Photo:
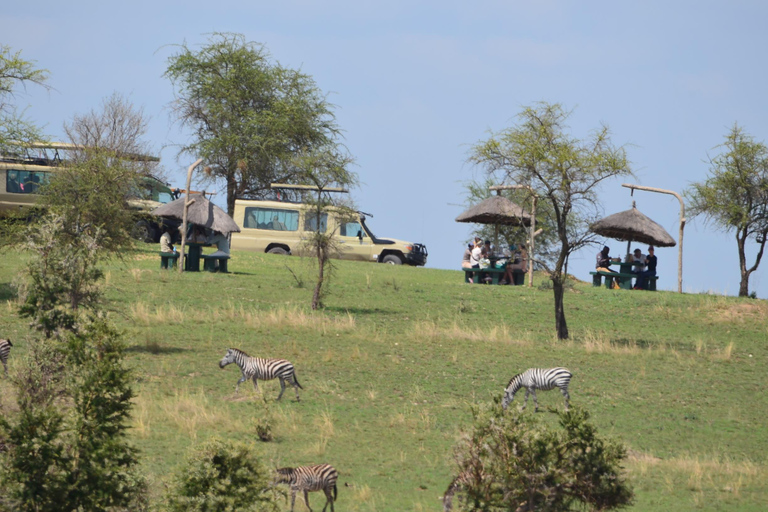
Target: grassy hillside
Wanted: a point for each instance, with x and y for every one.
(398, 354)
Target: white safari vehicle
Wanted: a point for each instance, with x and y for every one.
(281, 227)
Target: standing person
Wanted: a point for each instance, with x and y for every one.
(650, 271)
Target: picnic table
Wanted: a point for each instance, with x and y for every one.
(624, 276)
(192, 261)
(495, 274)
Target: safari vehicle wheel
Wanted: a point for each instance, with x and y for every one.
(143, 231)
(278, 250)
(392, 259)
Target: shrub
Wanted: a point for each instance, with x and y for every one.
(222, 476)
(515, 462)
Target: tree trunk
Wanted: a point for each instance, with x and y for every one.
(744, 284)
(560, 323)
(319, 285)
(231, 192)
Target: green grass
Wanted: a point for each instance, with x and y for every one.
(392, 363)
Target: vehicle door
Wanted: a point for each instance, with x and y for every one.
(354, 241)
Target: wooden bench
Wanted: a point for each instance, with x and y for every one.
(209, 263)
(518, 276)
(625, 280)
(168, 259)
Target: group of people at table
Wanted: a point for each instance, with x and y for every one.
(643, 265)
(197, 237)
(481, 255)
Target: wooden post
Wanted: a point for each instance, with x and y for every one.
(682, 225)
(187, 202)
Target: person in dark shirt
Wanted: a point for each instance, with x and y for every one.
(650, 270)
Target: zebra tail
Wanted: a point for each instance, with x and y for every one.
(296, 379)
(335, 490)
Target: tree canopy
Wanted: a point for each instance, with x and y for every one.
(565, 173)
(249, 116)
(16, 72)
(734, 197)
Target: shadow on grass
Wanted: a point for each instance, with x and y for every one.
(652, 344)
(7, 292)
(154, 348)
(360, 311)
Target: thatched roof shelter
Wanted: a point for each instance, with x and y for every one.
(496, 210)
(201, 212)
(633, 226)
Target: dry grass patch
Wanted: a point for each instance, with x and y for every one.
(699, 474)
(144, 314)
(726, 310)
(494, 334)
(193, 411)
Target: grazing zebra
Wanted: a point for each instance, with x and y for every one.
(257, 368)
(457, 483)
(309, 479)
(5, 349)
(538, 378)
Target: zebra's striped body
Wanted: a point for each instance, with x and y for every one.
(321, 477)
(538, 378)
(5, 349)
(256, 368)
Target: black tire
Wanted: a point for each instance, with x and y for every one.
(143, 231)
(392, 259)
(278, 250)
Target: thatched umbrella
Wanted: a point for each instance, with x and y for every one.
(496, 210)
(633, 226)
(201, 212)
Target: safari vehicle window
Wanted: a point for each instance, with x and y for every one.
(24, 182)
(273, 219)
(351, 229)
(310, 222)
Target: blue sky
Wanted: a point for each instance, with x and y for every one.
(417, 83)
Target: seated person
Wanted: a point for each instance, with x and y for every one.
(222, 244)
(197, 235)
(165, 241)
(277, 225)
(603, 262)
(518, 261)
(638, 261)
(13, 186)
(465, 262)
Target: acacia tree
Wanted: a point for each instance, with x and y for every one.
(15, 72)
(734, 197)
(323, 170)
(565, 173)
(248, 116)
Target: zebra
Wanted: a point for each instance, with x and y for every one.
(309, 479)
(538, 378)
(456, 484)
(5, 349)
(262, 369)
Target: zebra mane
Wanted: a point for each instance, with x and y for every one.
(238, 351)
(513, 379)
(286, 471)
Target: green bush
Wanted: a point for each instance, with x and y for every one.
(222, 476)
(516, 462)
